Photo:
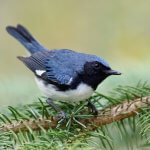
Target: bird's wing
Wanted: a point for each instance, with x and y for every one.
(51, 66)
(59, 72)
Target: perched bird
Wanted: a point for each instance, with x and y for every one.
(62, 74)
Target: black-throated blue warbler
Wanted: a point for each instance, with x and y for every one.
(62, 74)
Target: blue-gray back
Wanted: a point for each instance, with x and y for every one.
(62, 65)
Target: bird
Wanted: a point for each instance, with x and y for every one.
(62, 74)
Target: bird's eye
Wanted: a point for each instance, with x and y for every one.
(96, 65)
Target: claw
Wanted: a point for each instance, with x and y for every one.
(95, 112)
(93, 108)
(61, 116)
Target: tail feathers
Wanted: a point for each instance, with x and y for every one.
(25, 38)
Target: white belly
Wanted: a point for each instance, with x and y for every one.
(82, 92)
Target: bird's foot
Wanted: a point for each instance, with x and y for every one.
(93, 108)
(61, 116)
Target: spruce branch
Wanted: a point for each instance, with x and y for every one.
(116, 113)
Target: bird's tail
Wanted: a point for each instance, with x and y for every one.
(25, 38)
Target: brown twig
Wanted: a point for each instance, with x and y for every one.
(119, 112)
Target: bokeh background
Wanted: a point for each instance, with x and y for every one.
(118, 31)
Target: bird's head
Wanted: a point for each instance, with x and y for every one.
(97, 68)
(96, 71)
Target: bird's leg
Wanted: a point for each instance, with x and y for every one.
(93, 108)
(61, 114)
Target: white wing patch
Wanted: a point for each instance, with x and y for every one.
(71, 79)
(39, 72)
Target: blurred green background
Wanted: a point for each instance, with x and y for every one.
(118, 31)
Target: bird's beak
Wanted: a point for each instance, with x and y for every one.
(112, 72)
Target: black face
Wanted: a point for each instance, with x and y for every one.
(95, 72)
